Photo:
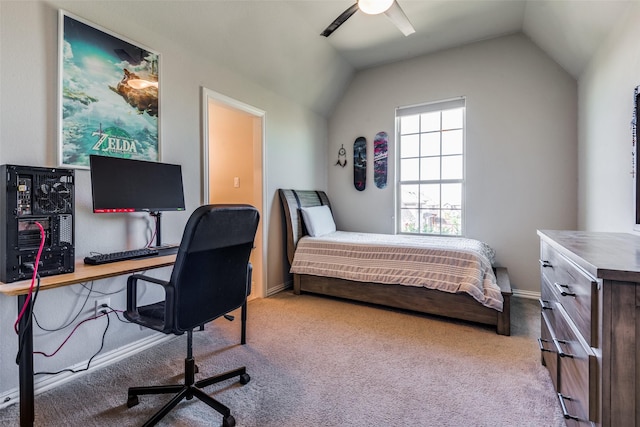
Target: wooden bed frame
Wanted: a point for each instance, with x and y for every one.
(457, 306)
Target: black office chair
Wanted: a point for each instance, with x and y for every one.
(211, 277)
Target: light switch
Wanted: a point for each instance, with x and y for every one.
(236, 182)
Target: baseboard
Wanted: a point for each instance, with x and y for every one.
(519, 293)
(52, 381)
(280, 288)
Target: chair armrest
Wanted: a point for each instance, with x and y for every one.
(136, 277)
(132, 296)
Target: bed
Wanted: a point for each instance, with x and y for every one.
(489, 309)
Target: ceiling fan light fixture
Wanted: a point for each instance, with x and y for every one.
(374, 7)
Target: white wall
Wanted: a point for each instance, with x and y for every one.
(606, 200)
(295, 157)
(521, 144)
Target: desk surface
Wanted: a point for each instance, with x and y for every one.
(86, 273)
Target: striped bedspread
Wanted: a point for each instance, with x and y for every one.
(448, 264)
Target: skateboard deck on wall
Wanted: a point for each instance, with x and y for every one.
(360, 163)
(380, 155)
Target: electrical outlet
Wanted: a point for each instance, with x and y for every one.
(100, 303)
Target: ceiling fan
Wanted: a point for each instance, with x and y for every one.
(390, 8)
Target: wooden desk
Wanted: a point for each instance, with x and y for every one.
(86, 273)
(83, 273)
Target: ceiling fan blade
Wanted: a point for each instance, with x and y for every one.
(399, 19)
(340, 20)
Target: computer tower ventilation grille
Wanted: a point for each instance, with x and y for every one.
(66, 229)
(52, 193)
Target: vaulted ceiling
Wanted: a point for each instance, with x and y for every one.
(277, 43)
(569, 30)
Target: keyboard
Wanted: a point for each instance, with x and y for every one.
(120, 256)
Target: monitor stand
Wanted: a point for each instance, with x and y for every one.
(163, 249)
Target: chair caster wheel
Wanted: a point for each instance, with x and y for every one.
(132, 401)
(244, 378)
(228, 421)
(196, 369)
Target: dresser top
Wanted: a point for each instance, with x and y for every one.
(612, 256)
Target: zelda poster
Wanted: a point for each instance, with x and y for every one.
(108, 95)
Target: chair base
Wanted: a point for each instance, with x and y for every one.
(189, 390)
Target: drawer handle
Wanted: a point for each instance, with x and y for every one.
(564, 289)
(565, 412)
(542, 347)
(560, 352)
(545, 263)
(544, 305)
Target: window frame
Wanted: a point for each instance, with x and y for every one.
(436, 106)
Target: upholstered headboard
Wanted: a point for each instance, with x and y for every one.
(292, 201)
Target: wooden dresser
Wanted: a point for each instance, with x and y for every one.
(590, 330)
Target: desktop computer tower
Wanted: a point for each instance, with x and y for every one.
(36, 195)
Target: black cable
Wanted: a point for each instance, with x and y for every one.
(72, 320)
(153, 232)
(100, 292)
(113, 310)
(35, 293)
(75, 371)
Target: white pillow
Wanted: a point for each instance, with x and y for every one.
(318, 220)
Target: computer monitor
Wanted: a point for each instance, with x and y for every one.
(126, 185)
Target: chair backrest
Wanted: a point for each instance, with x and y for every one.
(210, 273)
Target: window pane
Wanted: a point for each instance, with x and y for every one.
(452, 119)
(409, 221)
(452, 222)
(409, 146)
(409, 169)
(410, 124)
(430, 168)
(430, 221)
(430, 121)
(452, 167)
(452, 142)
(452, 196)
(430, 144)
(409, 195)
(430, 196)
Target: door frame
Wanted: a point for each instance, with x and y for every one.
(218, 98)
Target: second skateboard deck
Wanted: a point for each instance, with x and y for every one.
(360, 163)
(380, 155)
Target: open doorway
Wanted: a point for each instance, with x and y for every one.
(232, 169)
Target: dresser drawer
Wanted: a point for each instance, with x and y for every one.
(577, 374)
(548, 301)
(573, 288)
(548, 349)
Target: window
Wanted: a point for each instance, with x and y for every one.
(431, 168)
